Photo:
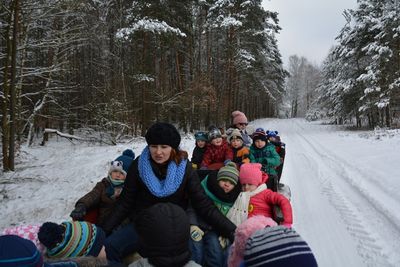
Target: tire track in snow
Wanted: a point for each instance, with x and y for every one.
(368, 246)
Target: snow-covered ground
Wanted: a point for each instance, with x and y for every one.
(345, 187)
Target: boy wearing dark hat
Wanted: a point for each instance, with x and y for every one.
(222, 188)
(217, 152)
(278, 247)
(199, 149)
(261, 151)
(98, 204)
(163, 231)
(240, 151)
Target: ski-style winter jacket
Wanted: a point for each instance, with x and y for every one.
(267, 156)
(98, 199)
(241, 155)
(216, 155)
(197, 156)
(136, 197)
(263, 202)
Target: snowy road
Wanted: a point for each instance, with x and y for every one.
(345, 187)
(345, 193)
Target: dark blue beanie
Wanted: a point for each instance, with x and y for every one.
(162, 133)
(126, 158)
(17, 251)
(278, 247)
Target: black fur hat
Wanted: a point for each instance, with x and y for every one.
(162, 133)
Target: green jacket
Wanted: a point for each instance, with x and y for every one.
(267, 156)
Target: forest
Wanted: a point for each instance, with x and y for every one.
(107, 69)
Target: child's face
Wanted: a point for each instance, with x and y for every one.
(226, 185)
(201, 143)
(217, 141)
(260, 143)
(236, 142)
(116, 175)
(248, 187)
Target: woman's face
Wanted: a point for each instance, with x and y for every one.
(160, 153)
(241, 126)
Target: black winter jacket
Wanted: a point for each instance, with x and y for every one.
(135, 197)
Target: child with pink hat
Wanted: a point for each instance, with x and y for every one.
(256, 199)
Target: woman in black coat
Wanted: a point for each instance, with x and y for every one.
(162, 173)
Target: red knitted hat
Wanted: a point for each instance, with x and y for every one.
(250, 173)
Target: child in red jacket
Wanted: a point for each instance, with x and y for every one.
(256, 199)
(217, 152)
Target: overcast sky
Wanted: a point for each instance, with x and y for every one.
(309, 27)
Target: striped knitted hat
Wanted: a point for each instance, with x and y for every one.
(71, 239)
(278, 247)
(17, 251)
(229, 172)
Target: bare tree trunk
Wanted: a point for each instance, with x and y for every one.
(13, 95)
(5, 101)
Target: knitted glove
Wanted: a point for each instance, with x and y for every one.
(194, 166)
(196, 233)
(224, 242)
(79, 212)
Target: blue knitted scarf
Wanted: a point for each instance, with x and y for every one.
(167, 186)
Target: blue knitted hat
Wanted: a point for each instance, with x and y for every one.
(278, 247)
(77, 239)
(271, 133)
(201, 136)
(126, 159)
(17, 251)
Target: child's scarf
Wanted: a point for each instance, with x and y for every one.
(240, 210)
(164, 187)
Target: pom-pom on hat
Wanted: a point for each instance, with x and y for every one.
(16, 251)
(229, 172)
(234, 134)
(243, 232)
(250, 173)
(238, 117)
(278, 247)
(123, 162)
(259, 133)
(71, 239)
(201, 136)
(162, 133)
(213, 133)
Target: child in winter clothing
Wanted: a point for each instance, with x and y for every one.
(242, 233)
(72, 239)
(256, 199)
(223, 189)
(278, 246)
(239, 121)
(163, 231)
(240, 152)
(200, 148)
(263, 152)
(217, 152)
(280, 148)
(104, 195)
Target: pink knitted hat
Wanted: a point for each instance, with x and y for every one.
(242, 233)
(250, 173)
(238, 117)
